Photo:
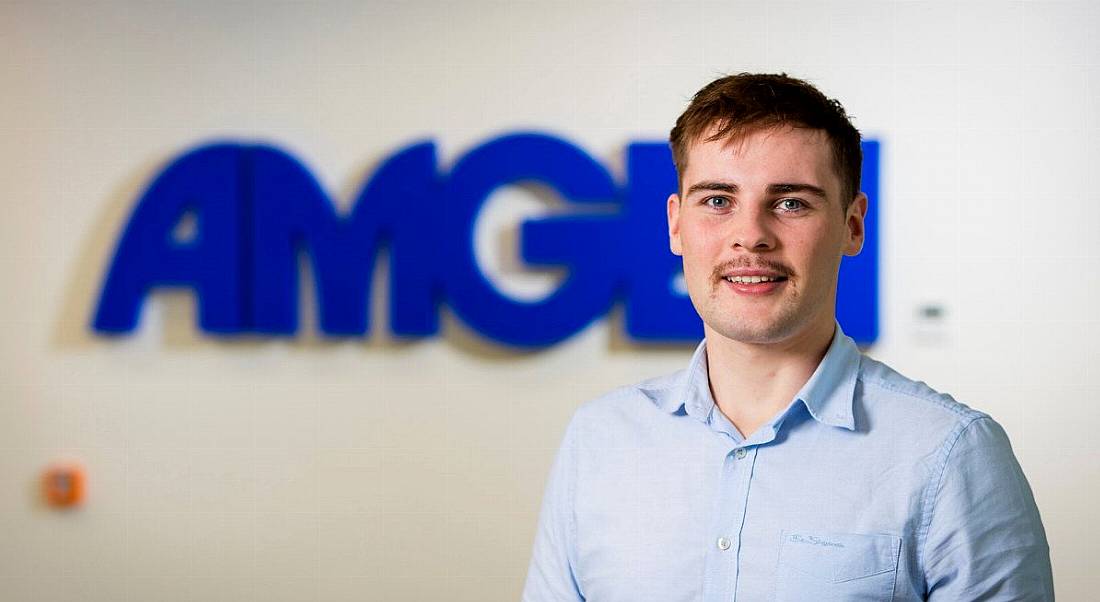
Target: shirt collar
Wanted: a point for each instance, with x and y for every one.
(693, 395)
(828, 394)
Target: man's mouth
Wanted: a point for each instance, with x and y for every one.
(755, 285)
(754, 279)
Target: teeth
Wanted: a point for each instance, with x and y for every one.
(750, 279)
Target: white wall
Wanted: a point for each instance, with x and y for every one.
(304, 469)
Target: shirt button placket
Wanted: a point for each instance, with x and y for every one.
(744, 475)
(722, 568)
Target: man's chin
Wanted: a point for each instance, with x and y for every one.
(753, 332)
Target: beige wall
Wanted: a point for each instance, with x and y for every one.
(309, 469)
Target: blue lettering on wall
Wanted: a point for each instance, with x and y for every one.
(257, 207)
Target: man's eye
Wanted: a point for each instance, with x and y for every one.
(717, 202)
(791, 205)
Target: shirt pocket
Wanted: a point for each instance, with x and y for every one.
(824, 566)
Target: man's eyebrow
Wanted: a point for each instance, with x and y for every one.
(786, 188)
(713, 186)
(781, 188)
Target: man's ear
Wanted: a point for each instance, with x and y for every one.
(674, 224)
(853, 219)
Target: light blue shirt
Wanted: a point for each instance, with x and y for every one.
(868, 486)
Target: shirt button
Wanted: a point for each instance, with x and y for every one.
(723, 543)
(740, 453)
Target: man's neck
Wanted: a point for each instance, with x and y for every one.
(751, 383)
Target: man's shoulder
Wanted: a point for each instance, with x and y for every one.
(885, 390)
(630, 402)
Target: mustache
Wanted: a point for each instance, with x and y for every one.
(759, 264)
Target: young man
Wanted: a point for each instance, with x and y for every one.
(781, 464)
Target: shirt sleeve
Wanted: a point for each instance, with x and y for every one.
(985, 540)
(551, 575)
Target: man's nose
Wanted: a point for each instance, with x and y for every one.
(752, 232)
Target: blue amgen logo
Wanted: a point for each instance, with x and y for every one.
(257, 207)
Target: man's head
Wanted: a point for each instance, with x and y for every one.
(732, 106)
(765, 194)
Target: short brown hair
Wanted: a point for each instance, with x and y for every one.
(740, 103)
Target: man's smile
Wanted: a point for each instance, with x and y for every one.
(751, 280)
(754, 285)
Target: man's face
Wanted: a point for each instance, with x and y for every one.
(764, 205)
